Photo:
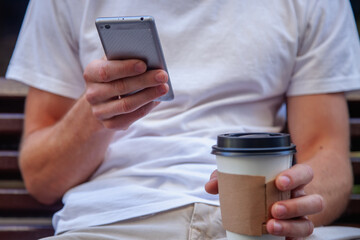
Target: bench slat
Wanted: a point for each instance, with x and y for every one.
(355, 127)
(11, 88)
(26, 232)
(11, 123)
(9, 167)
(355, 161)
(350, 217)
(11, 126)
(9, 161)
(14, 201)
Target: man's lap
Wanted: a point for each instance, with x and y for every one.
(188, 222)
(195, 221)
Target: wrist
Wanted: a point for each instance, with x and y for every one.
(94, 125)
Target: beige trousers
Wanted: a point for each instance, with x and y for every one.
(196, 221)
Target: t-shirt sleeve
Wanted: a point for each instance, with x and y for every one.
(46, 53)
(328, 58)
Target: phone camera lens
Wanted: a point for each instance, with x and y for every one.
(107, 26)
(142, 19)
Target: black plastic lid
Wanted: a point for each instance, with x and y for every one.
(233, 144)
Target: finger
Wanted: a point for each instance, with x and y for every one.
(212, 185)
(298, 207)
(298, 175)
(123, 122)
(290, 228)
(105, 71)
(128, 104)
(100, 92)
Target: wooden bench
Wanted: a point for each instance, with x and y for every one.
(351, 216)
(22, 217)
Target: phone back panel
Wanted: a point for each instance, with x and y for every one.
(133, 38)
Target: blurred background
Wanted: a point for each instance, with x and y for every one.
(11, 16)
(12, 13)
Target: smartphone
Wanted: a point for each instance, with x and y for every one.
(133, 38)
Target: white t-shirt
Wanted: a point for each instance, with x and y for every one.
(232, 63)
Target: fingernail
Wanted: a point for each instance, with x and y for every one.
(163, 88)
(161, 77)
(140, 67)
(284, 181)
(280, 210)
(277, 227)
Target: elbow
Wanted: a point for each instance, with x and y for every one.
(38, 185)
(40, 189)
(348, 190)
(338, 205)
(347, 185)
(40, 192)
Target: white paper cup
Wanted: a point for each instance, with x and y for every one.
(255, 154)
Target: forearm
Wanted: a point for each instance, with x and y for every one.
(55, 158)
(65, 141)
(332, 183)
(319, 126)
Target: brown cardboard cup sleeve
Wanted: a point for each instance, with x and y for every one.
(245, 202)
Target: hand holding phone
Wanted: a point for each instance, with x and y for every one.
(133, 38)
(122, 91)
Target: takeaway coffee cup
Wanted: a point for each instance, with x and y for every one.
(247, 166)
